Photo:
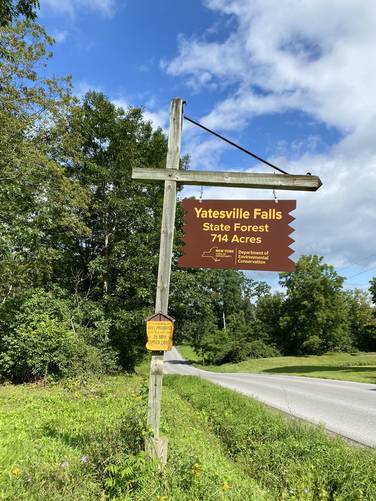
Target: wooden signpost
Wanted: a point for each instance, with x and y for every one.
(159, 337)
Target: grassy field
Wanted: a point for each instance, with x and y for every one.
(57, 441)
(76, 441)
(359, 367)
(84, 441)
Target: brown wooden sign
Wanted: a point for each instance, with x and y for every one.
(238, 234)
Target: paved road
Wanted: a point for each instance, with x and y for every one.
(348, 409)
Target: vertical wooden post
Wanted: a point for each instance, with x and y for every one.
(157, 446)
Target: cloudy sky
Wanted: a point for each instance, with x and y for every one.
(292, 80)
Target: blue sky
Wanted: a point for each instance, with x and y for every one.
(292, 80)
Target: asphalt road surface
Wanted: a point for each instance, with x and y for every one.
(346, 408)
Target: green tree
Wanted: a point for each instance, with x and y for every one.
(10, 10)
(314, 317)
(361, 321)
(40, 208)
(372, 290)
(267, 327)
(117, 263)
(192, 305)
(41, 211)
(215, 311)
(232, 293)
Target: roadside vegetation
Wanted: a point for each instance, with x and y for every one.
(357, 367)
(84, 440)
(290, 459)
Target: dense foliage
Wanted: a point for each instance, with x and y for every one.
(314, 315)
(10, 9)
(79, 243)
(372, 290)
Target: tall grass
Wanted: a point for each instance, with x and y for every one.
(289, 459)
(85, 441)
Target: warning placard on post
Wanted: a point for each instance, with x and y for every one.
(159, 331)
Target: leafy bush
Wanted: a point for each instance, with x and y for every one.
(128, 336)
(259, 349)
(42, 338)
(368, 342)
(241, 349)
(313, 346)
(46, 348)
(219, 347)
(215, 346)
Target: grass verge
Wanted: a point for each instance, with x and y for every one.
(57, 441)
(290, 460)
(358, 367)
(85, 441)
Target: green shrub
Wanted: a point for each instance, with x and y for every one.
(46, 348)
(367, 341)
(42, 336)
(313, 346)
(215, 346)
(218, 348)
(259, 349)
(128, 336)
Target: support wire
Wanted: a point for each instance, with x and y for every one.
(236, 145)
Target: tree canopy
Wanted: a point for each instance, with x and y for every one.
(314, 313)
(372, 290)
(40, 207)
(10, 10)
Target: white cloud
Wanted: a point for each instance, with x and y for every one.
(60, 36)
(82, 87)
(315, 57)
(121, 103)
(158, 118)
(204, 154)
(71, 7)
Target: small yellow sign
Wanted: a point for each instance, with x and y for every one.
(159, 333)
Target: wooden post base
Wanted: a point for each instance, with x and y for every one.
(157, 449)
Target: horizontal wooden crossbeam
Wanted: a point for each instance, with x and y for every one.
(230, 179)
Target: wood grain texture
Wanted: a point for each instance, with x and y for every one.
(230, 179)
(169, 207)
(157, 446)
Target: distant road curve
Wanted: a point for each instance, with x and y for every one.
(342, 407)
